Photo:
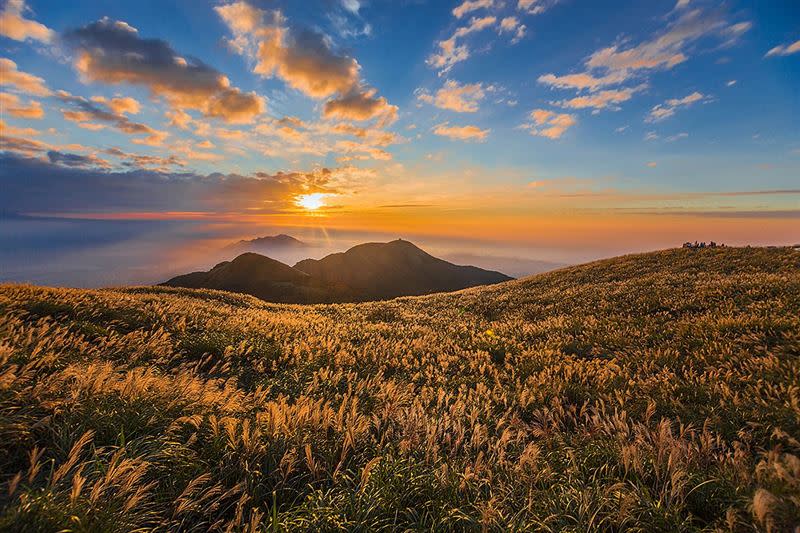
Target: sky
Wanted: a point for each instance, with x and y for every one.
(137, 138)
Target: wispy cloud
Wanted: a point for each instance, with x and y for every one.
(668, 108)
(784, 49)
(545, 123)
(462, 133)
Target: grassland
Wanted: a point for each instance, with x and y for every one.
(656, 392)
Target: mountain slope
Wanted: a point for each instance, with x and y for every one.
(651, 392)
(366, 272)
(375, 271)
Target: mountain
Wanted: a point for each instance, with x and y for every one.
(267, 244)
(650, 392)
(379, 271)
(373, 271)
(255, 274)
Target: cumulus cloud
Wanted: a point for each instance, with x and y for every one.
(10, 104)
(305, 60)
(456, 97)
(112, 52)
(361, 105)
(461, 133)
(545, 123)
(21, 81)
(468, 6)
(14, 25)
(668, 108)
(784, 49)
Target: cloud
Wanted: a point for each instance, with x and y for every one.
(450, 52)
(582, 80)
(462, 133)
(599, 100)
(120, 105)
(651, 136)
(76, 160)
(624, 61)
(14, 25)
(652, 164)
(535, 7)
(85, 112)
(668, 48)
(11, 104)
(361, 105)
(112, 52)
(731, 83)
(305, 60)
(20, 145)
(455, 97)
(39, 186)
(513, 25)
(668, 108)
(677, 137)
(784, 49)
(545, 123)
(22, 81)
(352, 6)
(144, 161)
(7, 130)
(468, 6)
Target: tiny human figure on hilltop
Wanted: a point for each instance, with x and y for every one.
(695, 245)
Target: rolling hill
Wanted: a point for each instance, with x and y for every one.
(372, 271)
(651, 392)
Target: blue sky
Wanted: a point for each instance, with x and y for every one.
(407, 115)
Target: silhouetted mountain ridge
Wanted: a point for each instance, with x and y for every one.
(267, 243)
(371, 271)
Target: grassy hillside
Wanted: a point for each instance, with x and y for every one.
(656, 392)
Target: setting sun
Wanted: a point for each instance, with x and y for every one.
(311, 202)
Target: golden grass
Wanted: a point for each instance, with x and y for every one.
(656, 392)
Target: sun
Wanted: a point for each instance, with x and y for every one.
(311, 202)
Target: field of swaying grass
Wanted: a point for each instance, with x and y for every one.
(655, 392)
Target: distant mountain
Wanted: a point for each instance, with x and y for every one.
(377, 271)
(266, 244)
(372, 271)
